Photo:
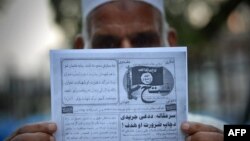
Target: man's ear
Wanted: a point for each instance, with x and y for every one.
(172, 37)
(79, 42)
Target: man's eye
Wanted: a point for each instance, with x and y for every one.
(146, 40)
(105, 42)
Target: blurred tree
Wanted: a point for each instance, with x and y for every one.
(3, 4)
(219, 19)
(189, 35)
(68, 16)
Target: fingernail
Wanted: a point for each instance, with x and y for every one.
(52, 127)
(52, 138)
(185, 126)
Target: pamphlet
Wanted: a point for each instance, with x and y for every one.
(137, 94)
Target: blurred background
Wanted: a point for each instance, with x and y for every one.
(216, 32)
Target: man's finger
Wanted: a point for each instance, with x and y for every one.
(44, 127)
(193, 127)
(206, 136)
(33, 137)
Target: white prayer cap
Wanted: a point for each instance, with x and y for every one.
(89, 5)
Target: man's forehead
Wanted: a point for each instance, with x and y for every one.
(89, 5)
(124, 17)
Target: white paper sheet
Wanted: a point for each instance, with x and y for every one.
(119, 94)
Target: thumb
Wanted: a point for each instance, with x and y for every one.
(194, 127)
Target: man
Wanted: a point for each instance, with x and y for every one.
(123, 24)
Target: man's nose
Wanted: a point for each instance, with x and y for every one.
(126, 43)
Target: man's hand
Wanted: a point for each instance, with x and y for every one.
(34, 132)
(201, 132)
